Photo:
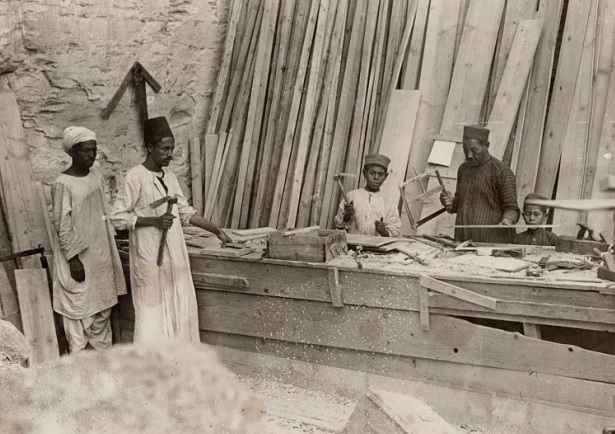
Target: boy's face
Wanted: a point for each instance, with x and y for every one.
(84, 154)
(374, 175)
(534, 215)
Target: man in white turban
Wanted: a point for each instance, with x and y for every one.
(88, 273)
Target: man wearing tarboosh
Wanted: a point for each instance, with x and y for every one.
(163, 296)
(88, 273)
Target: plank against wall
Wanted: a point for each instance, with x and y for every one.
(22, 208)
(410, 73)
(563, 92)
(539, 85)
(512, 85)
(396, 143)
(37, 314)
(570, 181)
(435, 77)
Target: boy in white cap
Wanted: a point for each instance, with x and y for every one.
(88, 274)
(370, 211)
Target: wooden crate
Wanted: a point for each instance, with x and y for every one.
(315, 246)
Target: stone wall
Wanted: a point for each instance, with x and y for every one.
(65, 59)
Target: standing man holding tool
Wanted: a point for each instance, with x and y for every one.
(368, 211)
(88, 274)
(161, 282)
(486, 192)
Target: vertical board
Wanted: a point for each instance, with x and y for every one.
(563, 92)
(412, 67)
(37, 314)
(396, 138)
(196, 174)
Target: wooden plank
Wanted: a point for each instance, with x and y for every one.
(20, 201)
(531, 330)
(335, 61)
(436, 69)
(350, 371)
(293, 117)
(336, 289)
(503, 264)
(399, 126)
(362, 329)
(457, 292)
(410, 413)
(574, 146)
(223, 74)
(309, 114)
(223, 252)
(410, 74)
(512, 85)
(214, 187)
(37, 314)
(196, 174)
(9, 306)
(539, 87)
(424, 308)
(563, 92)
(367, 417)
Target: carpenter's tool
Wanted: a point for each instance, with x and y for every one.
(170, 201)
(40, 250)
(585, 233)
(440, 211)
(585, 242)
(575, 204)
(419, 198)
(502, 226)
(338, 178)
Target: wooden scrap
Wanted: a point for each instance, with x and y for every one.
(458, 292)
(222, 252)
(510, 265)
(300, 231)
(37, 314)
(196, 173)
(367, 240)
(210, 153)
(252, 232)
(202, 243)
(441, 153)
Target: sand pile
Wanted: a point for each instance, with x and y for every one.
(14, 348)
(166, 388)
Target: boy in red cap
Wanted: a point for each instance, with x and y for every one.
(370, 211)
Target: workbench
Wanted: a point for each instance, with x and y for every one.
(389, 323)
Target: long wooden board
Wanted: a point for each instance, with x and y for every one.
(37, 314)
(396, 138)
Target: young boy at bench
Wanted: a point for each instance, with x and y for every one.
(370, 211)
(535, 215)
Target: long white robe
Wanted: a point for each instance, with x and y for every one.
(370, 207)
(164, 297)
(82, 228)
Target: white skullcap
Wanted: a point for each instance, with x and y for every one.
(74, 135)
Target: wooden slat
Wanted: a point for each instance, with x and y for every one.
(410, 74)
(37, 314)
(513, 81)
(210, 151)
(399, 125)
(196, 174)
(20, 201)
(293, 117)
(573, 148)
(211, 194)
(457, 292)
(539, 85)
(223, 74)
(563, 92)
(436, 69)
(449, 339)
(309, 115)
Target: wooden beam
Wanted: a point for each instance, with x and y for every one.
(563, 92)
(37, 314)
(457, 292)
(196, 174)
(410, 73)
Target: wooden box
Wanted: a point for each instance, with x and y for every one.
(319, 245)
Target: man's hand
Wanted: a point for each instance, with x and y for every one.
(446, 199)
(222, 236)
(77, 272)
(348, 211)
(506, 222)
(165, 221)
(381, 228)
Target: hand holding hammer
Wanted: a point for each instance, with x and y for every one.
(348, 206)
(163, 222)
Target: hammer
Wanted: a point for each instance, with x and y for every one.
(338, 177)
(169, 200)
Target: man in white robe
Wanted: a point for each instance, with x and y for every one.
(88, 274)
(370, 211)
(163, 296)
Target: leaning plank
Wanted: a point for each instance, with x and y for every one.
(9, 306)
(449, 339)
(539, 86)
(37, 314)
(211, 192)
(563, 92)
(436, 68)
(457, 292)
(24, 215)
(209, 160)
(196, 173)
(512, 85)
(399, 125)
(309, 114)
(410, 413)
(574, 146)
(410, 74)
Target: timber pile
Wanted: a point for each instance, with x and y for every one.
(307, 88)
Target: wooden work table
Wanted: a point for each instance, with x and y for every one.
(406, 325)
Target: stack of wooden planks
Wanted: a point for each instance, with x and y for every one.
(302, 94)
(306, 89)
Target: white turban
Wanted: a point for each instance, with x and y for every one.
(74, 135)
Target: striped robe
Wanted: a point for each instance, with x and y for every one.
(486, 194)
